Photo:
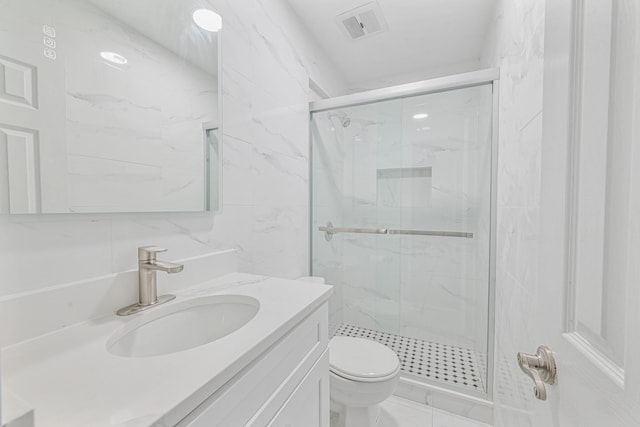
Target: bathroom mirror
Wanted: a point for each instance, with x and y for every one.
(109, 106)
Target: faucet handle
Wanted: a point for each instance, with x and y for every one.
(148, 253)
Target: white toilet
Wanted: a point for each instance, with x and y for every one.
(363, 373)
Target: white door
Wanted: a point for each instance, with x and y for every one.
(32, 126)
(587, 303)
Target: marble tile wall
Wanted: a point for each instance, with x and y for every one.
(516, 46)
(267, 59)
(132, 146)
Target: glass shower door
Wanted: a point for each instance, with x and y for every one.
(371, 263)
(406, 186)
(357, 255)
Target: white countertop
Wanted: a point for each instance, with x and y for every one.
(70, 378)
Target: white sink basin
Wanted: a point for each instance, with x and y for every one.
(183, 325)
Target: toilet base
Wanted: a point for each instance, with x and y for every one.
(356, 416)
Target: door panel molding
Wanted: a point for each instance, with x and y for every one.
(601, 105)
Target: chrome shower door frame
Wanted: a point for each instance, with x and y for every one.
(441, 84)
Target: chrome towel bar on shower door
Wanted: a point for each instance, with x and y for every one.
(433, 233)
(330, 230)
(334, 230)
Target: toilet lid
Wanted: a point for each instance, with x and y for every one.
(361, 359)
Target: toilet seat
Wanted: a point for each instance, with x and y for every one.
(362, 360)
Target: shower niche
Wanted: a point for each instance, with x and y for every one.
(413, 184)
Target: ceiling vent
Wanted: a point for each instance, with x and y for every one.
(363, 21)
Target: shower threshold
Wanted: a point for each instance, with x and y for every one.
(454, 366)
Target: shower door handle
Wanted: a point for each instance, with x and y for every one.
(541, 368)
(330, 230)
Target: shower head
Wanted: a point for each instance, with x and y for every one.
(345, 121)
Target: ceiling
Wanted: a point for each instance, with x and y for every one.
(421, 35)
(169, 24)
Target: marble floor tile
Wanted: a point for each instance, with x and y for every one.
(398, 412)
(446, 419)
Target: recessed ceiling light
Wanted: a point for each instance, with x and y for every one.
(114, 58)
(420, 116)
(207, 19)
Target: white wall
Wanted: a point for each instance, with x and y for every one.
(267, 60)
(415, 76)
(516, 46)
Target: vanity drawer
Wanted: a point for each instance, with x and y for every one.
(308, 405)
(264, 385)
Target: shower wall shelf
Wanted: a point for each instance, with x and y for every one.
(330, 230)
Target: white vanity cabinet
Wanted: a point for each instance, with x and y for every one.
(286, 386)
(307, 406)
(273, 371)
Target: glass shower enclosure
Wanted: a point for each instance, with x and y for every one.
(402, 184)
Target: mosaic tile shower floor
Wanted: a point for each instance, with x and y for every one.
(455, 366)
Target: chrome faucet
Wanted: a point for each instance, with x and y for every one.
(147, 281)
